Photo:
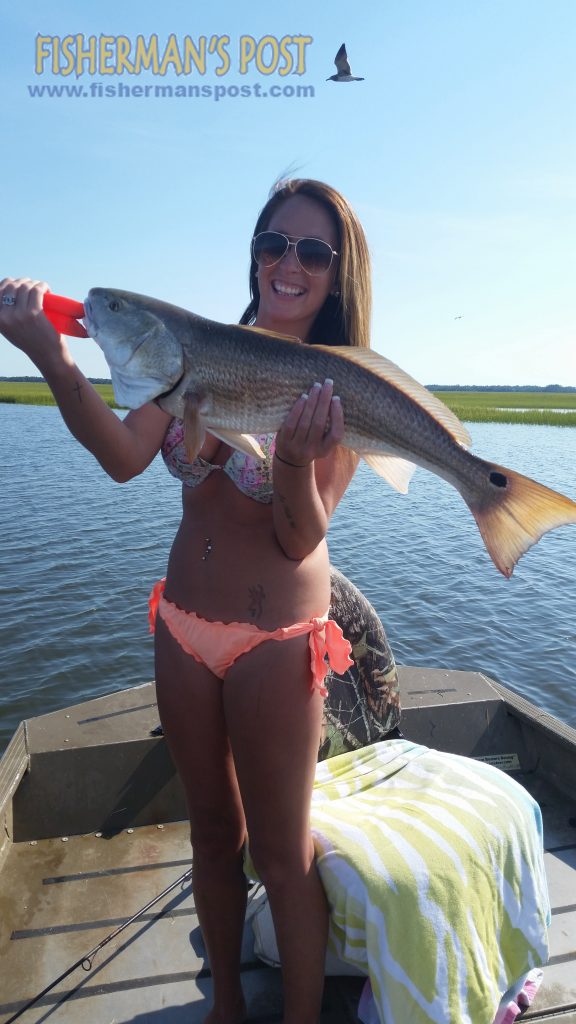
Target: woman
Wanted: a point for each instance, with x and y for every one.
(241, 711)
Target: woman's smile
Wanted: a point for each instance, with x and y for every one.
(287, 289)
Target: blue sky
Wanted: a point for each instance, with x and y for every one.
(457, 151)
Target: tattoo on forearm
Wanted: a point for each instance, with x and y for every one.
(78, 390)
(286, 510)
(257, 597)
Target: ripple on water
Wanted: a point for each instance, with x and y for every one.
(79, 554)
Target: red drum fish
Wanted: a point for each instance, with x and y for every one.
(238, 381)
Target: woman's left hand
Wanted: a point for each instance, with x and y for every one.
(313, 427)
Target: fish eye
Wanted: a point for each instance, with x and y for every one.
(114, 305)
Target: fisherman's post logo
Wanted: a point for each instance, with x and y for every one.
(189, 60)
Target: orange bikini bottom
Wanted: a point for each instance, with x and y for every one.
(217, 645)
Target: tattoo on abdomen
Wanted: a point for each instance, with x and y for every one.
(286, 511)
(257, 597)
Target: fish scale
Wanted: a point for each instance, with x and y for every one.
(280, 371)
(378, 416)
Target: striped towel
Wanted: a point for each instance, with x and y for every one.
(433, 868)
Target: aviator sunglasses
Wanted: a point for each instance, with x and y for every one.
(313, 254)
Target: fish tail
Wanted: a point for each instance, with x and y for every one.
(514, 512)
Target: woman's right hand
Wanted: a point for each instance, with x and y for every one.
(24, 323)
(123, 447)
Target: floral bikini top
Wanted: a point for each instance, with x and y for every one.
(251, 475)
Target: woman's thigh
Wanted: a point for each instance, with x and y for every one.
(190, 704)
(274, 721)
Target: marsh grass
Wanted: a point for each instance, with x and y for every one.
(538, 407)
(540, 417)
(38, 393)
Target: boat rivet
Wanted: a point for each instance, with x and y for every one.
(64, 839)
(67, 716)
(33, 842)
(129, 831)
(98, 835)
(159, 826)
(66, 741)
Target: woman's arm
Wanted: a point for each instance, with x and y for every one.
(311, 471)
(123, 448)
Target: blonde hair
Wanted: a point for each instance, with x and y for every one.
(344, 318)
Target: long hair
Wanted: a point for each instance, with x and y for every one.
(344, 318)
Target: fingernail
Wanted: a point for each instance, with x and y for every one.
(317, 384)
(328, 380)
(303, 395)
(335, 398)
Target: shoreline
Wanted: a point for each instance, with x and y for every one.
(541, 408)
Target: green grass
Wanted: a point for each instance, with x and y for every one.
(473, 406)
(38, 393)
(512, 407)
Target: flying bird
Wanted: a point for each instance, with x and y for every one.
(343, 68)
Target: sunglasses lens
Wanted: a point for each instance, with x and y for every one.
(269, 247)
(314, 255)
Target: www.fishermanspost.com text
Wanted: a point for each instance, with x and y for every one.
(121, 90)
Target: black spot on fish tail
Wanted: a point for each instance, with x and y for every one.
(498, 479)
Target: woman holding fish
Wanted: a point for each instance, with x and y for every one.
(241, 625)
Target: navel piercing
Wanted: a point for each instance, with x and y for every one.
(207, 549)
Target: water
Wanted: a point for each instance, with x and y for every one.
(79, 554)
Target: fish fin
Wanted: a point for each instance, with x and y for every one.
(398, 378)
(194, 431)
(270, 334)
(397, 472)
(242, 442)
(515, 514)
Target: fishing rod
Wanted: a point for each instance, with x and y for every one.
(85, 962)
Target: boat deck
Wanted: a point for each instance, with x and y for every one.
(155, 971)
(61, 896)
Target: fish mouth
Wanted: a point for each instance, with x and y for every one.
(88, 319)
(92, 327)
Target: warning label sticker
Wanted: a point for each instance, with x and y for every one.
(505, 762)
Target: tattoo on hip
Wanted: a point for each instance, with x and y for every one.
(257, 597)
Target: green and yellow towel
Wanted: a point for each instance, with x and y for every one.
(433, 869)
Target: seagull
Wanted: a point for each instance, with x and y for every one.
(343, 68)
(458, 317)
